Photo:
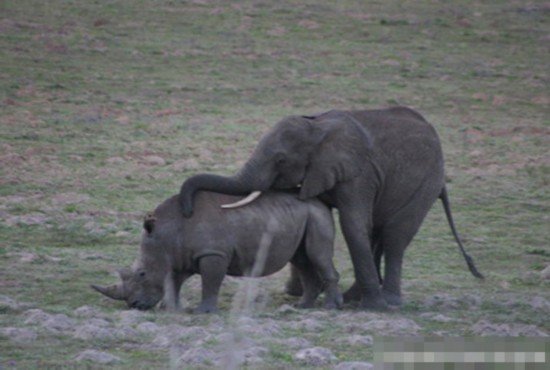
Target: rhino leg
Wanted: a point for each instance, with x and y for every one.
(172, 287)
(319, 251)
(212, 269)
(311, 283)
(293, 285)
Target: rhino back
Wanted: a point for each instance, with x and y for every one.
(275, 221)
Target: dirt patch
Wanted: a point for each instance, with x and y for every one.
(315, 356)
(486, 328)
(98, 357)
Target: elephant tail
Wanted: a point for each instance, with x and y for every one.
(447, 206)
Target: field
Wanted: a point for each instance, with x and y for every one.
(106, 107)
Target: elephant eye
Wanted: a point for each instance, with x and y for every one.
(141, 274)
(280, 159)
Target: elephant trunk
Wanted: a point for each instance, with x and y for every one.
(243, 183)
(113, 291)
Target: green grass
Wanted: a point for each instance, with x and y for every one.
(89, 91)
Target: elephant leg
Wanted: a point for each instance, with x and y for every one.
(393, 262)
(355, 229)
(293, 285)
(212, 269)
(378, 253)
(353, 294)
(395, 238)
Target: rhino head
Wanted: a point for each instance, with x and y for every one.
(136, 289)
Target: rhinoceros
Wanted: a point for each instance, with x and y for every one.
(256, 240)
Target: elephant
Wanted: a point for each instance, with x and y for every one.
(257, 240)
(382, 169)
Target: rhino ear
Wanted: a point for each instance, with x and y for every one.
(125, 274)
(149, 223)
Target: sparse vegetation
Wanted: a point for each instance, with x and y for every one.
(107, 107)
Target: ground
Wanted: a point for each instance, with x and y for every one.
(107, 107)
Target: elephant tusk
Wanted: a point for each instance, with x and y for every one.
(249, 199)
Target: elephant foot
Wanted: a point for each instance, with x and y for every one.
(374, 302)
(202, 309)
(293, 287)
(353, 294)
(334, 303)
(304, 304)
(170, 307)
(392, 298)
(378, 304)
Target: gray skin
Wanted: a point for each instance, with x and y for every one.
(382, 169)
(215, 242)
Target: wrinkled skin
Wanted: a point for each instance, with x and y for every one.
(382, 170)
(216, 242)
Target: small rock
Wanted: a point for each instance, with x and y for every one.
(34, 218)
(255, 354)
(154, 160)
(174, 333)
(101, 323)
(87, 312)
(26, 257)
(115, 160)
(287, 308)
(306, 325)
(148, 327)
(90, 331)
(486, 328)
(545, 274)
(539, 303)
(364, 340)
(437, 317)
(186, 165)
(125, 332)
(354, 366)
(295, 343)
(58, 323)
(266, 328)
(196, 356)
(471, 300)
(205, 155)
(65, 199)
(19, 335)
(99, 357)
(392, 327)
(316, 356)
(229, 339)
(35, 316)
(130, 317)
(10, 304)
(92, 256)
(442, 301)
(122, 119)
(531, 278)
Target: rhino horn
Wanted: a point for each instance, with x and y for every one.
(113, 291)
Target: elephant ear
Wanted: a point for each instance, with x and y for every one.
(339, 156)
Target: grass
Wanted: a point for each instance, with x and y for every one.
(92, 94)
